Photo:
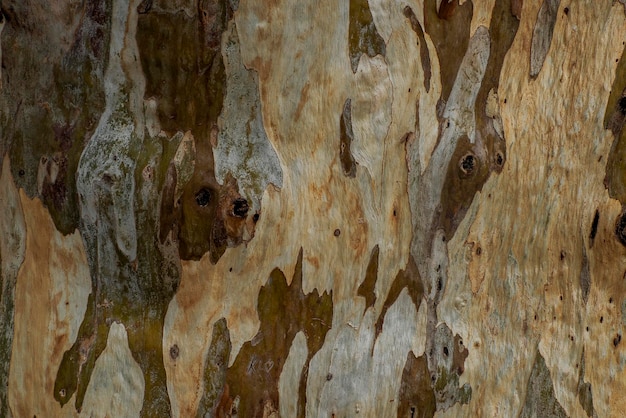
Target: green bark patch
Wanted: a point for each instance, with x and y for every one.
(424, 55)
(540, 400)
(284, 310)
(346, 136)
(446, 361)
(363, 35)
(243, 148)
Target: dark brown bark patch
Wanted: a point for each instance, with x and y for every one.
(284, 310)
(346, 136)
(450, 37)
(367, 289)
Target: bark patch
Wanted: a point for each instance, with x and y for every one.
(542, 35)
(540, 399)
(363, 35)
(251, 383)
(346, 136)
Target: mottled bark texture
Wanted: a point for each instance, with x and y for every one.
(246, 208)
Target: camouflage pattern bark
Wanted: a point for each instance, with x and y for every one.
(224, 208)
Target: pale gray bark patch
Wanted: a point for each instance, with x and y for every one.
(542, 35)
(459, 119)
(446, 360)
(243, 148)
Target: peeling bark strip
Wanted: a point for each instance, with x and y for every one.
(346, 136)
(424, 55)
(363, 35)
(284, 310)
(540, 399)
(542, 35)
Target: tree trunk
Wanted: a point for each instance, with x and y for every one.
(220, 208)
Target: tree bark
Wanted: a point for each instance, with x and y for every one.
(222, 208)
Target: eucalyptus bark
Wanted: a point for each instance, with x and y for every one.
(251, 208)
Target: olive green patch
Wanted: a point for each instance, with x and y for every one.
(215, 367)
(363, 35)
(417, 398)
(185, 73)
(50, 126)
